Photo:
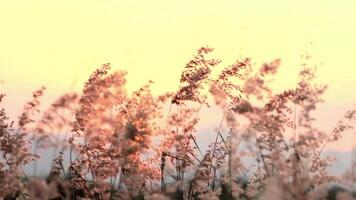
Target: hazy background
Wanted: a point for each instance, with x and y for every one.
(58, 43)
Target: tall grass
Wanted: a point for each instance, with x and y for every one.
(123, 146)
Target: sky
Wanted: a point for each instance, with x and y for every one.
(58, 43)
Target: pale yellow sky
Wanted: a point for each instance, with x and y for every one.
(54, 42)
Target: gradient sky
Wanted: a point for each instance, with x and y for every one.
(58, 43)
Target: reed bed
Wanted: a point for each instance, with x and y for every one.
(123, 145)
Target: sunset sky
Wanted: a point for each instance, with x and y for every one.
(58, 43)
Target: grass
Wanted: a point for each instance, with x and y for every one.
(122, 146)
